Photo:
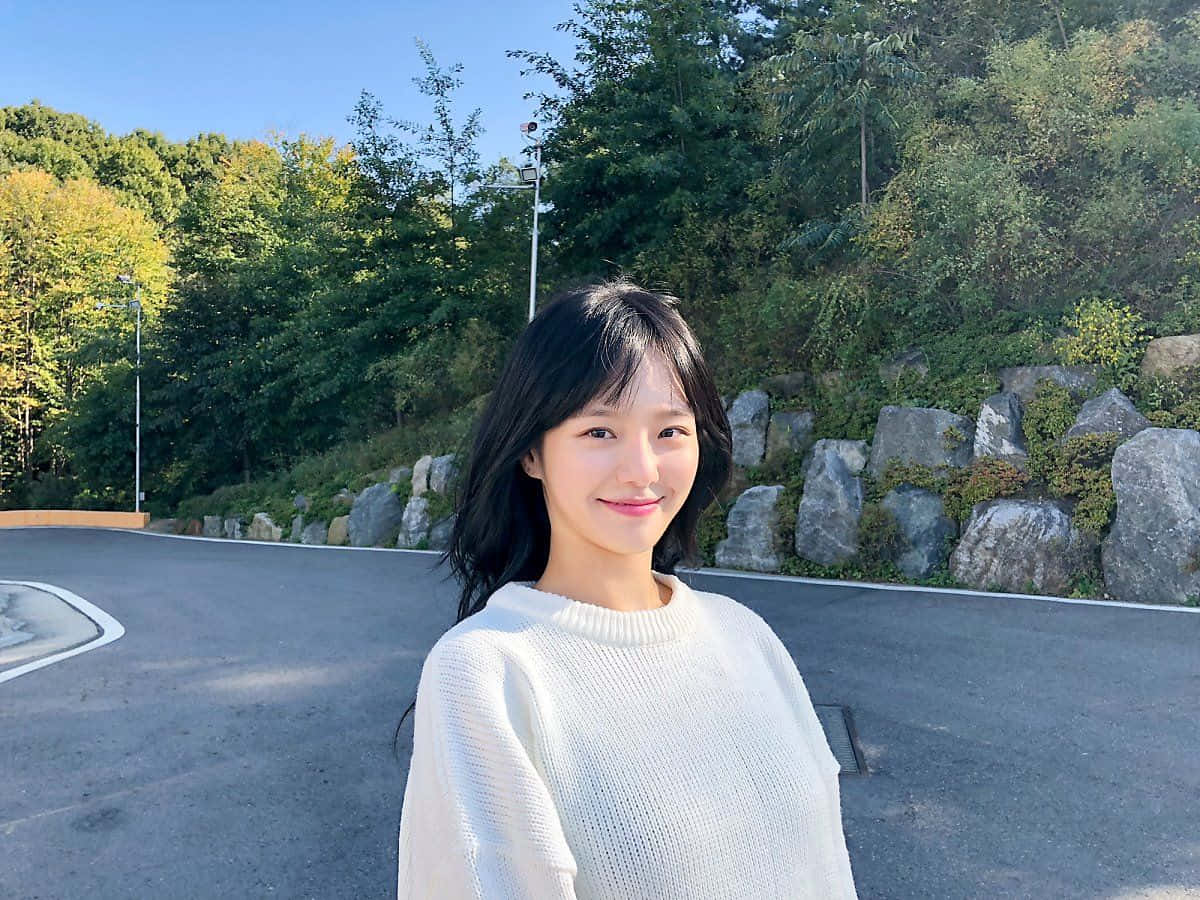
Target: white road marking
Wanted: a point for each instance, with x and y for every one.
(724, 573)
(110, 629)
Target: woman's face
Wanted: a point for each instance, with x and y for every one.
(641, 452)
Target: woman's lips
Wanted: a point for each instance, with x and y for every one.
(630, 509)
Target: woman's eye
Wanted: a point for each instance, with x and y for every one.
(595, 430)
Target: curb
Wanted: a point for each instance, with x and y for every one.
(110, 628)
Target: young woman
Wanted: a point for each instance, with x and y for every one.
(592, 726)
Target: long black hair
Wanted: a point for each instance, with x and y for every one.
(586, 344)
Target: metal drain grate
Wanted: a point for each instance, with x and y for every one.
(843, 739)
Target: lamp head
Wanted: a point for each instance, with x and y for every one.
(125, 279)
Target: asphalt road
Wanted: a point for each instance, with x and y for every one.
(236, 742)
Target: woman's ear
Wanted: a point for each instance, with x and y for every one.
(530, 465)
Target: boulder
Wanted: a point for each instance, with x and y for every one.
(748, 418)
(1168, 355)
(420, 475)
(212, 526)
(375, 512)
(1152, 551)
(440, 533)
(300, 502)
(193, 528)
(415, 523)
(853, 453)
(315, 533)
(1022, 380)
(1008, 544)
(232, 528)
(345, 497)
(339, 532)
(262, 528)
(399, 473)
(917, 434)
(297, 528)
(827, 518)
(753, 526)
(998, 431)
(927, 529)
(789, 432)
(163, 526)
(1111, 411)
(442, 472)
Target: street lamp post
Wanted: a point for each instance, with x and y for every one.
(136, 304)
(531, 177)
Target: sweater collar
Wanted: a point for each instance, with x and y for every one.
(624, 628)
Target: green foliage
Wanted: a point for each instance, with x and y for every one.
(1046, 418)
(1170, 401)
(1107, 334)
(880, 540)
(985, 479)
(1083, 470)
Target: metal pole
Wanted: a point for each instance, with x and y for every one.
(137, 476)
(537, 196)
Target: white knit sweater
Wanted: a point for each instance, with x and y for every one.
(565, 750)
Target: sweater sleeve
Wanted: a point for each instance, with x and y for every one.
(840, 875)
(477, 821)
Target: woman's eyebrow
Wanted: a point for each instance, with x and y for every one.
(661, 410)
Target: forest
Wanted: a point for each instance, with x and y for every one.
(827, 187)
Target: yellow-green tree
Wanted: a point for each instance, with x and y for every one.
(62, 244)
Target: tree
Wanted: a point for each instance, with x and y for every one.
(837, 78)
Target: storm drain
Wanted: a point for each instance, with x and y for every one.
(843, 739)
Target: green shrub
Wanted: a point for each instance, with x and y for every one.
(1107, 334)
(1083, 471)
(880, 539)
(1046, 418)
(986, 478)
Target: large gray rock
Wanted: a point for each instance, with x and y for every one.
(853, 453)
(415, 524)
(301, 503)
(297, 528)
(789, 432)
(338, 534)
(927, 529)
(998, 431)
(1007, 544)
(1152, 552)
(442, 472)
(376, 511)
(262, 528)
(314, 533)
(399, 473)
(748, 419)
(420, 475)
(1022, 380)
(917, 434)
(753, 525)
(441, 532)
(1111, 411)
(830, 508)
(232, 528)
(213, 526)
(1167, 355)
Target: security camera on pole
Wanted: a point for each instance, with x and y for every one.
(531, 177)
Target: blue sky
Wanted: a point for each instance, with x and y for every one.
(245, 68)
